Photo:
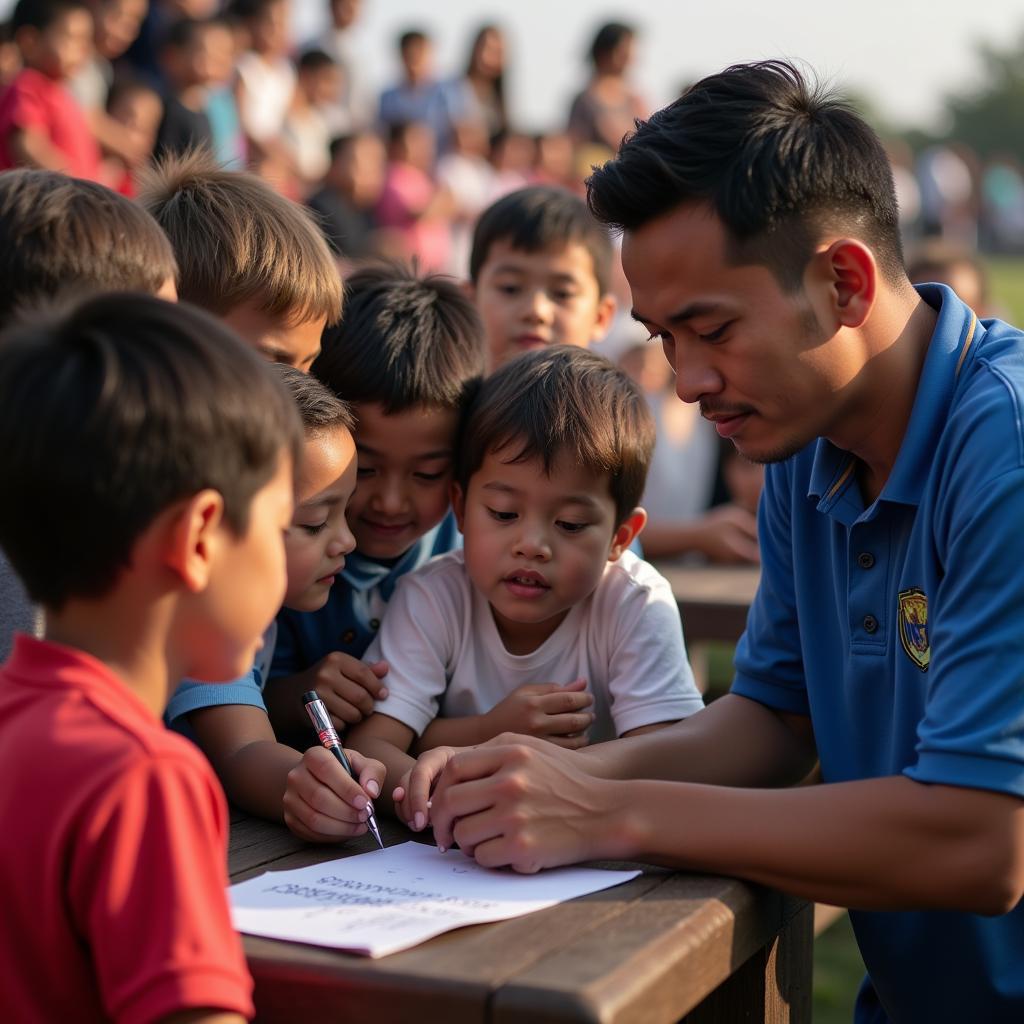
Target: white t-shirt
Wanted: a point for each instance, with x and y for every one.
(446, 658)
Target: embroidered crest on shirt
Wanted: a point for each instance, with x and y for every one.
(913, 626)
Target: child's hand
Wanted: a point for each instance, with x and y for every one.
(411, 796)
(347, 686)
(322, 803)
(547, 710)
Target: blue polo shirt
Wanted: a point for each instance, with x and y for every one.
(899, 628)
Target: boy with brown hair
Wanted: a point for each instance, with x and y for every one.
(171, 565)
(540, 270)
(247, 254)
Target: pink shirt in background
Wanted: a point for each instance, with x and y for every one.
(407, 193)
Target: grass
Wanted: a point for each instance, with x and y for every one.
(1006, 283)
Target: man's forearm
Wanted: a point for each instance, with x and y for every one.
(732, 742)
(884, 844)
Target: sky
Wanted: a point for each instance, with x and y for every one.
(903, 55)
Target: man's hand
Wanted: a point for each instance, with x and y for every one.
(322, 803)
(546, 710)
(524, 805)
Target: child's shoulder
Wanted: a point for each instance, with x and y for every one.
(630, 572)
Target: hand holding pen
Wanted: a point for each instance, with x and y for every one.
(328, 737)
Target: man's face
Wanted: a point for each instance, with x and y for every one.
(759, 361)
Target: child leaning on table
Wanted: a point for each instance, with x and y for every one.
(170, 564)
(407, 353)
(552, 464)
(310, 792)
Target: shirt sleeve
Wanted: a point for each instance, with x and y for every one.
(148, 890)
(416, 639)
(972, 733)
(769, 662)
(24, 108)
(650, 679)
(192, 695)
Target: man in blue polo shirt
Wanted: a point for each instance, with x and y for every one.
(761, 242)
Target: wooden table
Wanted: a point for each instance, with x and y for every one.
(713, 599)
(660, 948)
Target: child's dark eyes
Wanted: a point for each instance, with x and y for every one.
(428, 477)
(363, 472)
(716, 335)
(564, 524)
(313, 530)
(501, 517)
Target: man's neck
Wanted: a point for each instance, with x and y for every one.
(875, 428)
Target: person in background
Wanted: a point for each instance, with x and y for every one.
(354, 108)
(467, 176)
(306, 133)
(420, 96)
(606, 108)
(413, 209)
(138, 110)
(954, 265)
(10, 55)
(351, 189)
(484, 82)
(41, 123)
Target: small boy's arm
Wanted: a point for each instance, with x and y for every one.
(388, 741)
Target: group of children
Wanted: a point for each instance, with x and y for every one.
(456, 558)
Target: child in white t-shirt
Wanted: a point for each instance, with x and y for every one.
(545, 623)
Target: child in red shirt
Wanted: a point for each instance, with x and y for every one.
(148, 459)
(41, 124)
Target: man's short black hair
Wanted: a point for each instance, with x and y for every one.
(41, 14)
(60, 233)
(410, 36)
(563, 401)
(404, 342)
(778, 159)
(113, 412)
(538, 218)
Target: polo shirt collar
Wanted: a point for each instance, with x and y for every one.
(954, 342)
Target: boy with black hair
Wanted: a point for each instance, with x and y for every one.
(540, 268)
(310, 792)
(60, 233)
(170, 566)
(407, 355)
(762, 246)
(41, 123)
(247, 254)
(549, 475)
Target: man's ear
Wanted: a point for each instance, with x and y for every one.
(851, 272)
(606, 307)
(192, 538)
(627, 532)
(459, 505)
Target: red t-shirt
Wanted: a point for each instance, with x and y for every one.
(34, 102)
(112, 863)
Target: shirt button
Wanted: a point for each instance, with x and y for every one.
(374, 623)
(870, 624)
(348, 636)
(865, 560)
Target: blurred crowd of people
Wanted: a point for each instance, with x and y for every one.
(402, 172)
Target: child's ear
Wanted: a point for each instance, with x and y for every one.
(192, 538)
(459, 505)
(606, 307)
(627, 533)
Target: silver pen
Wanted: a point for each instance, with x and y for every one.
(329, 738)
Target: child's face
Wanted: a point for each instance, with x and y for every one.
(404, 476)
(319, 537)
(529, 300)
(245, 586)
(291, 344)
(536, 544)
(140, 113)
(211, 56)
(61, 49)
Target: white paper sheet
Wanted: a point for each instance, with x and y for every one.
(378, 903)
